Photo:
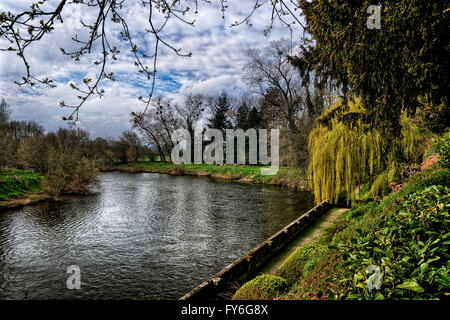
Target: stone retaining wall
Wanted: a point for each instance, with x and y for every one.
(252, 262)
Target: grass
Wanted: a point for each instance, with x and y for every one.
(306, 236)
(289, 177)
(316, 273)
(301, 262)
(16, 184)
(263, 287)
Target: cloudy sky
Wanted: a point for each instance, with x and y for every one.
(216, 64)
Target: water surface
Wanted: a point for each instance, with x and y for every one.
(143, 236)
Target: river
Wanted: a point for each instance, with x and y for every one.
(142, 236)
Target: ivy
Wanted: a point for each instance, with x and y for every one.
(443, 147)
(410, 248)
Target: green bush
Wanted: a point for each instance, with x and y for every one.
(410, 247)
(356, 235)
(70, 173)
(301, 262)
(263, 287)
(369, 216)
(443, 147)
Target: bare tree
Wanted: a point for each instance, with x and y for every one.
(6, 145)
(191, 111)
(147, 126)
(158, 124)
(20, 30)
(21, 130)
(270, 70)
(127, 140)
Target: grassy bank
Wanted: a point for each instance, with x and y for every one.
(18, 188)
(286, 177)
(406, 235)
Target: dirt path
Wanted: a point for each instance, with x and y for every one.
(308, 236)
(14, 204)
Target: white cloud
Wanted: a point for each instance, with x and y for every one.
(215, 85)
(218, 57)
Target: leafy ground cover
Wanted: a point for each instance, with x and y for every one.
(405, 236)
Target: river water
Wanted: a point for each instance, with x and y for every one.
(142, 236)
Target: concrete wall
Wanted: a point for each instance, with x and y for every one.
(253, 261)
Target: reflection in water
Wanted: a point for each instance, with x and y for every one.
(144, 236)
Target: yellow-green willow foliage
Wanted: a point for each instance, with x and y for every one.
(343, 157)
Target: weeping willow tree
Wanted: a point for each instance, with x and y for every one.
(343, 156)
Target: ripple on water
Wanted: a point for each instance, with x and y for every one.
(144, 236)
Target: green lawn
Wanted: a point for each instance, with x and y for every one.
(252, 172)
(16, 183)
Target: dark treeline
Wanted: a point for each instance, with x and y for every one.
(69, 158)
(280, 98)
(72, 160)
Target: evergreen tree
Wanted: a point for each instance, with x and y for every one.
(403, 65)
(219, 119)
(242, 115)
(131, 154)
(254, 119)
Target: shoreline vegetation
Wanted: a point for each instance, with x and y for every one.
(292, 178)
(19, 188)
(405, 235)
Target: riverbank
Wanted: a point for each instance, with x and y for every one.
(310, 235)
(163, 234)
(405, 235)
(19, 188)
(292, 178)
(223, 284)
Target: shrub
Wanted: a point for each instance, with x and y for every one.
(410, 170)
(301, 262)
(443, 147)
(131, 155)
(179, 169)
(70, 173)
(263, 287)
(410, 247)
(34, 154)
